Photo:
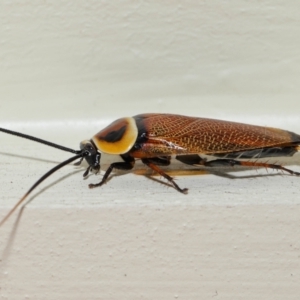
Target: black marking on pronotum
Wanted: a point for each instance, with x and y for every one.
(115, 136)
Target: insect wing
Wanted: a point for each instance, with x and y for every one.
(175, 134)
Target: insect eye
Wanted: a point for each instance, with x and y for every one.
(88, 147)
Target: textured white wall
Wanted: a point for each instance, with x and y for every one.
(148, 53)
(67, 68)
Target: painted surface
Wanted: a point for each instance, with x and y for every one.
(67, 69)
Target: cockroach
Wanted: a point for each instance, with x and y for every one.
(155, 138)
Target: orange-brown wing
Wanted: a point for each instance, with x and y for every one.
(176, 134)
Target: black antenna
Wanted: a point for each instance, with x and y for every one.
(35, 139)
(79, 154)
(59, 166)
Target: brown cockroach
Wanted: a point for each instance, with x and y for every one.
(154, 138)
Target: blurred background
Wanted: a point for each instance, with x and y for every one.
(67, 69)
(95, 60)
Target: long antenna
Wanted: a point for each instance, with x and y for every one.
(35, 139)
(59, 166)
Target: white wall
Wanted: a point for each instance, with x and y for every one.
(68, 68)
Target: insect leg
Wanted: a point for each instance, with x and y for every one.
(233, 162)
(191, 159)
(263, 165)
(152, 163)
(195, 159)
(126, 165)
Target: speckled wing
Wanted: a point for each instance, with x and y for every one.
(176, 134)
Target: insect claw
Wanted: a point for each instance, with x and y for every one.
(184, 191)
(92, 185)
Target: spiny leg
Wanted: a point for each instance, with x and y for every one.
(153, 162)
(126, 165)
(266, 165)
(197, 160)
